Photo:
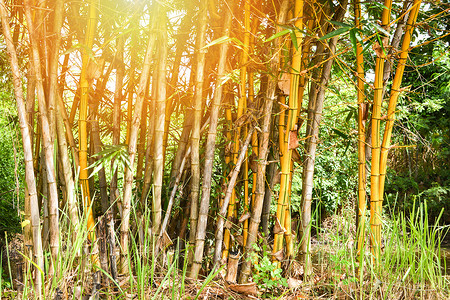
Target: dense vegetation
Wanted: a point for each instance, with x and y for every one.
(221, 149)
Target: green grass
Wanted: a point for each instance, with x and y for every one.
(411, 264)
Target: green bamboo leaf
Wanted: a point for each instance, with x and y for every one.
(380, 42)
(278, 34)
(96, 169)
(340, 24)
(367, 46)
(353, 39)
(238, 42)
(340, 133)
(349, 116)
(294, 39)
(346, 148)
(381, 29)
(335, 33)
(220, 40)
(114, 166)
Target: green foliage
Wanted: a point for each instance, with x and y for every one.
(9, 202)
(335, 175)
(420, 172)
(267, 276)
(117, 155)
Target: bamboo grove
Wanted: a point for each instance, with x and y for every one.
(175, 120)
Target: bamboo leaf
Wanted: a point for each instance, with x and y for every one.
(220, 40)
(341, 24)
(353, 39)
(346, 148)
(367, 46)
(381, 29)
(25, 223)
(340, 133)
(349, 116)
(96, 169)
(278, 34)
(294, 39)
(334, 33)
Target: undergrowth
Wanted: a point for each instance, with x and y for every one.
(411, 267)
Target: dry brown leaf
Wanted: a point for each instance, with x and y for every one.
(317, 279)
(277, 178)
(240, 240)
(246, 289)
(232, 267)
(379, 50)
(296, 269)
(165, 240)
(285, 83)
(279, 255)
(228, 224)
(94, 69)
(228, 148)
(242, 120)
(294, 283)
(293, 139)
(253, 162)
(296, 157)
(278, 228)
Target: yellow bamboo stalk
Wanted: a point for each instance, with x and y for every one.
(294, 102)
(375, 201)
(229, 122)
(82, 122)
(244, 61)
(228, 158)
(395, 92)
(270, 98)
(240, 110)
(361, 136)
(131, 79)
(251, 99)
